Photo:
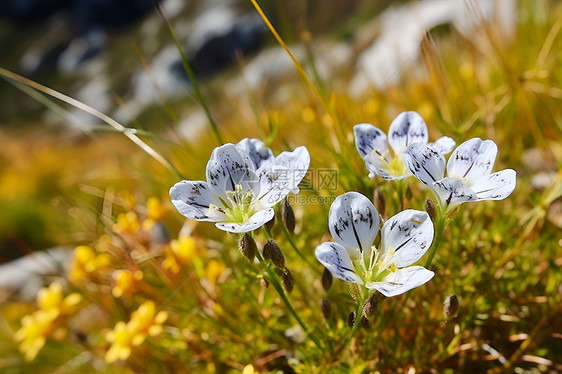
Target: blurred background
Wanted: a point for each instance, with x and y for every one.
(471, 68)
(119, 58)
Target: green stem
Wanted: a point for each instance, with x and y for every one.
(356, 326)
(440, 223)
(277, 285)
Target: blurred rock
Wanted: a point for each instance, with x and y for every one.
(402, 30)
(26, 275)
(75, 30)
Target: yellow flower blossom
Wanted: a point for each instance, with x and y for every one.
(35, 330)
(45, 322)
(50, 299)
(127, 223)
(144, 322)
(179, 253)
(248, 369)
(86, 263)
(213, 270)
(126, 282)
(155, 212)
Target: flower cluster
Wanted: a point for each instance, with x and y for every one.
(47, 320)
(144, 321)
(244, 182)
(86, 263)
(354, 225)
(469, 172)
(406, 129)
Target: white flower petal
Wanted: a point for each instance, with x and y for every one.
(407, 128)
(497, 186)
(257, 220)
(424, 162)
(402, 280)
(354, 222)
(297, 162)
(472, 159)
(443, 145)
(409, 234)
(336, 259)
(228, 167)
(259, 153)
(369, 138)
(275, 182)
(452, 191)
(192, 199)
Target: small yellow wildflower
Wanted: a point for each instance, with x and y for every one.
(35, 330)
(50, 299)
(126, 282)
(248, 369)
(155, 211)
(213, 270)
(144, 322)
(120, 337)
(86, 263)
(44, 323)
(179, 253)
(127, 223)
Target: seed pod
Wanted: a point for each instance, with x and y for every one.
(451, 307)
(288, 281)
(264, 282)
(365, 323)
(288, 216)
(326, 308)
(431, 209)
(272, 251)
(380, 202)
(327, 279)
(351, 319)
(248, 247)
(371, 306)
(269, 224)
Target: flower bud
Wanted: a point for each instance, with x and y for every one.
(431, 209)
(371, 305)
(288, 281)
(269, 224)
(248, 247)
(327, 279)
(380, 202)
(451, 307)
(264, 282)
(272, 251)
(288, 216)
(326, 308)
(365, 322)
(351, 319)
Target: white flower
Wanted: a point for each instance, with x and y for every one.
(407, 128)
(354, 225)
(296, 161)
(469, 176)
(244, 182)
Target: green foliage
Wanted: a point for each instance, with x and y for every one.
(501, 259)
